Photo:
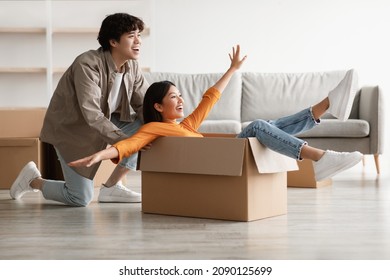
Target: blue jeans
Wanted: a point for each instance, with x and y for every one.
(278, 134)
(77, 190)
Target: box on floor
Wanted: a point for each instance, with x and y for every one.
(14, 154)
(19, 141)
(305, 176)
(214, 177)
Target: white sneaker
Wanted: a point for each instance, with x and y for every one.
(22, 182)
(332, 163)
(342, 96)
(118, 193)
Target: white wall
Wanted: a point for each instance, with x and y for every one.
(281, 35)
(277, 36)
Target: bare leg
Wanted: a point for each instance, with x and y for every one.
(117, 175)
(309, 152)
(320, 108)
(37, 183)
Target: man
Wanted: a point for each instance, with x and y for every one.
(98, 101)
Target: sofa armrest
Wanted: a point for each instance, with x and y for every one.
(371, 109)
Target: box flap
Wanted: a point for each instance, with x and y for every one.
(268, 161)
(193, 155)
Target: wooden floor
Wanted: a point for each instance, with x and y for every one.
(348, 220)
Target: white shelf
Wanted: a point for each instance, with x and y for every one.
(26, 30)
(42, 30)
(21, 70)
(63, 30)
(77, 30)
(61, 70)
(41, 70)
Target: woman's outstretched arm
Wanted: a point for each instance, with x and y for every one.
(235, 64)
(108, 153)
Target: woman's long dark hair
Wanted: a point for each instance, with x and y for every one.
(155, 94)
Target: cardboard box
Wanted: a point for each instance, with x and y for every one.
(213, 177)
(305, 176)
(14, 154)
(21, 122)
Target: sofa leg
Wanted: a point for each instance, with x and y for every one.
(376, 159)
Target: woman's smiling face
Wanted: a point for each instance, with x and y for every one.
(172, 105)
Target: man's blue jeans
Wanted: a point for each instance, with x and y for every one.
(77, 190)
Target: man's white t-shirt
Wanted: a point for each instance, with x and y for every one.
(115, 97)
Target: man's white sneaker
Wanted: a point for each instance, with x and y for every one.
(333, 163)
(22, 183)
(342, 96)
(118, 193)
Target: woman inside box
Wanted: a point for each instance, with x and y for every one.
(163, 105)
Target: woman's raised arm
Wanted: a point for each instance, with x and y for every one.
(235, 64)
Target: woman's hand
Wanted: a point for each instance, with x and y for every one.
(108, 153)
(86, 162)
(235, 64)
(235, 60)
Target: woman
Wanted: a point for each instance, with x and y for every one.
(163, 105)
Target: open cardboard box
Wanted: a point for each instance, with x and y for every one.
(214, 177)
(19, 141)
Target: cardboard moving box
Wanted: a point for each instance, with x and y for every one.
(14, 154)
(21, 122)
(19, 143)
(214, 177)
(305, 176)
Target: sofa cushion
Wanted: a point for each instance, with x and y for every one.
(220, 126)
(192, 87)
(335, 128)
(270, 96)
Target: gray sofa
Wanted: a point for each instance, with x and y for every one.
(251, 96)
